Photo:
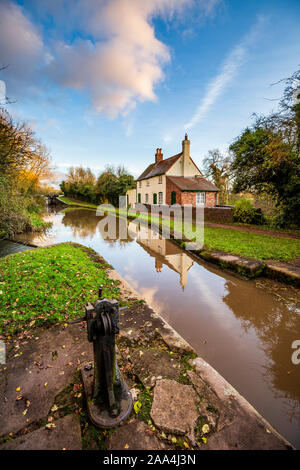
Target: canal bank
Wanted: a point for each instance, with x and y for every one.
(285, 271)
(243, 328)
(181, 401)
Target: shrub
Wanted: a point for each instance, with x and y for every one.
(245, 213)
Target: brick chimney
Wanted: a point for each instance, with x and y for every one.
(185, 155)
(158, 156)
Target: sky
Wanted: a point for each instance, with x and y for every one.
(108, 81)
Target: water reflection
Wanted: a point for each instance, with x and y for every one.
(83, 222)
(277, 325)
(163, 251)
(243, 331)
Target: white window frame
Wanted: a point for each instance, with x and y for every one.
(202, 198)
(160, 179)
(140, 184)
(148, 183)
(146, 198)
(160, 198)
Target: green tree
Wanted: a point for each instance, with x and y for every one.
(266, 156)
(113, 183)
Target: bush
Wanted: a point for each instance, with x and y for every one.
(245, 213)
(18, 213)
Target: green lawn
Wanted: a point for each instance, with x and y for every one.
(73, 202)
(251, 245)
(248, 244)
(48, 285)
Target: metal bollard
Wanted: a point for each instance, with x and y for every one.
(108, 397)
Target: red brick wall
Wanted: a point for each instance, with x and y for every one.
(213, 214)
(218, 214)
(188, 197)
(211, 199)
(169, 188)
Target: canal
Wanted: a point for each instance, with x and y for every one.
(243, 328)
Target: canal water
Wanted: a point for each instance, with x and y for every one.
(244, 329)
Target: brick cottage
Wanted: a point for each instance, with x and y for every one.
(175, 180)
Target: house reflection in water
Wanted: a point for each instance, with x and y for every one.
(164, 251)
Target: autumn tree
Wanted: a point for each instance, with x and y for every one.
(24, 162)
(266, 156)
(217, 168)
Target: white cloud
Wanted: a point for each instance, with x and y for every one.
(21, 45)
(228, 72)
(116, 57)
(123, 62)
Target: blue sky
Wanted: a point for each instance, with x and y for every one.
(109, 81)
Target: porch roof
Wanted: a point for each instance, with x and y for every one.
(192, 183)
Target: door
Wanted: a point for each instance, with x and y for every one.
(173, 197)
(154, 198)
(139, 197)
(200, 199)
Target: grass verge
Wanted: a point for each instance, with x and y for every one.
(73, 202)
(49, 285)
(248, 244)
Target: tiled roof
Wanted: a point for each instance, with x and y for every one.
(192, 183)
(160, 168)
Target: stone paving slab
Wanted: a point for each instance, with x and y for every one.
(134, 436)
(151, 364)
(284, 271)
(46, 365)
(174, 408)
(249, 266)
(65, 436)
(242, 426)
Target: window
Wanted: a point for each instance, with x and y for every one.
(140, 184)
(200, 199)
(148, 182)
(160, 198)
(146, 198)
(160, 179)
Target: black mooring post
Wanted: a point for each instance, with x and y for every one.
(109, 400)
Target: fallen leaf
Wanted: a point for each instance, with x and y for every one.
(18, 389)
(205, 429)
(45, 384)
(137, 406)
(126, 446)
(50, 425)
(54, 408)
